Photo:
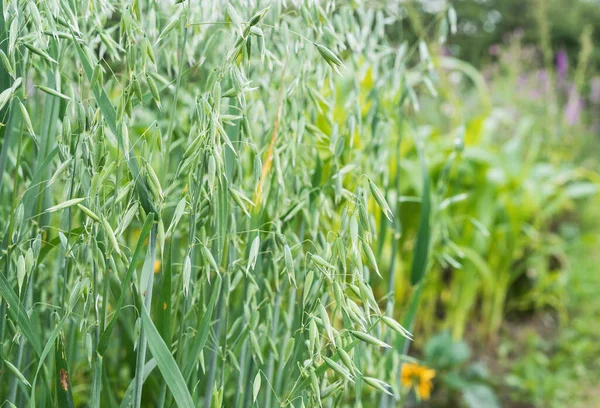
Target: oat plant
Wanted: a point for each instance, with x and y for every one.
(194, 201)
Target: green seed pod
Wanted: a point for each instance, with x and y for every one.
(367, 295)
(367, 338)
(66, 130)
(29, 260)
(397, 327)
(133, 58)
(364, 217)
(248, 53)
(321, 262)
(346, 359)
(111, 236)
(256, 31)
(41, 53)
(354, 289)
(353, 231)
(313, 335)
(258, 16)
(355, 314)
(99, 257)
(255, 346)
(237, 197)
(26, 119)
(37, 245)
(186, 274)
(172, 24)
(154, 183)
(246, 127)
(89, 212)
(380, 199)
(81, 117)
(209, 257)
(128, 217)
(326, 323)
(193, 147)
(289, 260)
(338, 293)
(21, 271)
(18, 217)
(53, 92)
(330, 389)
(378, 384)
(338, 369)
(328, 56)
(153, 90)
(6, 64)
(314, 383)
(128, 106)
(289, 348)
(370, 257)
(257, 168)
(253, 255)
(307, 285)
(137, 89)
(148, 50)
(212, 78)
(212, 171)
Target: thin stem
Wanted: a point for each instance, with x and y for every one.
(174, 104)
(142, 341)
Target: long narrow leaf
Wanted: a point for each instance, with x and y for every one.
(18, 314)
(64, 395)
(421, 252)
(166, 363)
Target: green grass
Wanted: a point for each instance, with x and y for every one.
(191, 207)
(265, 204)
(560, 369)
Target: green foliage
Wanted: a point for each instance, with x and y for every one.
(485, 24)
(556, 370)
(466, 384)
(235, 204)
(192, 206)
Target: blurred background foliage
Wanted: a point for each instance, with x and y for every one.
(508, 302)
(485, 23)
(488, 23)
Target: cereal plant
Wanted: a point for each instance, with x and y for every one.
(196, 198)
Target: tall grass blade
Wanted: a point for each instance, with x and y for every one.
(166, 363)
(421, 251)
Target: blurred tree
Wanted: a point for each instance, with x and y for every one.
(483, 23)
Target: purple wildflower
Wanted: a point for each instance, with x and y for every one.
(562, 64)
(573, 108)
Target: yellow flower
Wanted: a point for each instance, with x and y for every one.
(418, 377)
(156, 266)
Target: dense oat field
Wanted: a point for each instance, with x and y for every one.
(290, 204)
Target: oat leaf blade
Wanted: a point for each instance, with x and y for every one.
(421, 251)
(64, 395)
(166, 363)
(18, 313)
